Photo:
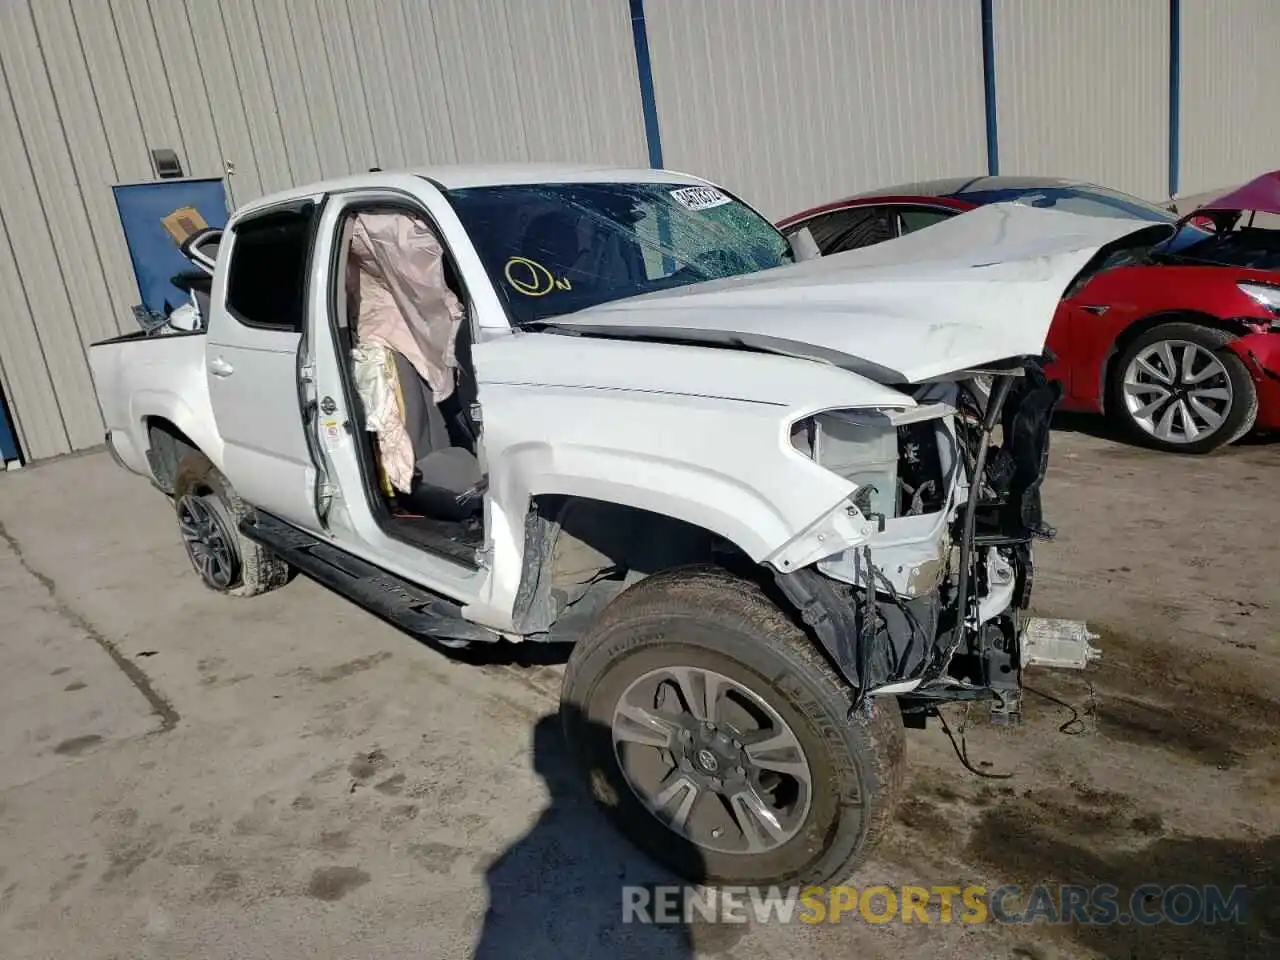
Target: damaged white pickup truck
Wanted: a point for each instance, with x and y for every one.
(777, 507)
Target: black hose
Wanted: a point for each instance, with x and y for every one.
(994, 403)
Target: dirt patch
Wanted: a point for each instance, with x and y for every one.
(126, 857)
(334, 883)
(1194, 703)
(224, 886)
(76, 871)
(343, 670)
(1149, 824)
(75, 746)
(1198, 738)
(392, 786)
(1028, 844)
(398, 816)
(922, 817)
(367, 765)
(334, 840)
(436, 857)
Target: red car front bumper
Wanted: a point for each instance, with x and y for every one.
(1261, 354)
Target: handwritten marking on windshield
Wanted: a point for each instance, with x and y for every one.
(532, 278)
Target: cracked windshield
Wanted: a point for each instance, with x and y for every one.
(554, 249)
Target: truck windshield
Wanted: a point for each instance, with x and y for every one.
(551, 249)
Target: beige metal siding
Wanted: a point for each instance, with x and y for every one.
(1230, 84)
(791, 104)
(274, 93)
(39, 211)
(1082, 91)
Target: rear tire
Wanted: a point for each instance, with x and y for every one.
(1154, 404)
(209, 513)
(667, 631)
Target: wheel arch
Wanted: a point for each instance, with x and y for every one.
(581, 551)
(1136, 329)
(167, 446)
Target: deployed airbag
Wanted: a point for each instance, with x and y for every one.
(376, 382)
(402, 307)
(402, 300)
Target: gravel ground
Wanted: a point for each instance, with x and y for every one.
(186, 775)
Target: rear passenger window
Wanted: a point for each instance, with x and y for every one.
(267, 275)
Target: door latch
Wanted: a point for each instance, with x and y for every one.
(327, 406)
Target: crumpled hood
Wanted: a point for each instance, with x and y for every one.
(972, 290)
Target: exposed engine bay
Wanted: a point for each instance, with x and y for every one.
(889, 611)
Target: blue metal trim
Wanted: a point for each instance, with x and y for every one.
(8, 446)
(1175, 91)
(989, 86)
(640, 35)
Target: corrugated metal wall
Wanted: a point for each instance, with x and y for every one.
(790, 110)
(1082, 90)
(280, 92)
(788, 102)
(1230, 83)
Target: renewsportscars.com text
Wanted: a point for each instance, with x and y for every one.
(1103, 904)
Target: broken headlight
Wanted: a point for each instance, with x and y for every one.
(894, 455)
(859, 445)
(1264, 294)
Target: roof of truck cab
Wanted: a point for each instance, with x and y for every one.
(481, 175)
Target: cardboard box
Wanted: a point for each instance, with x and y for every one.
(182, 223)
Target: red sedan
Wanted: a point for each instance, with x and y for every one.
(1179, 340)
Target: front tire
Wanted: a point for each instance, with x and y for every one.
(209, 513)
(1178, 388)
(716, 736)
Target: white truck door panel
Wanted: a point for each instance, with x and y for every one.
(258, 306)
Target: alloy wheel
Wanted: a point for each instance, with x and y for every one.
(712, 760)
(209, 544)
(1177, 391)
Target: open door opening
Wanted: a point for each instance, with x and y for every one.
(404, 335)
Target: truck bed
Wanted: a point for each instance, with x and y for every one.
(138, 377)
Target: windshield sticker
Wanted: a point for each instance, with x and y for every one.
(532, 278)
(699, 198)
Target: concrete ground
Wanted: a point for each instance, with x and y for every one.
(185, 775)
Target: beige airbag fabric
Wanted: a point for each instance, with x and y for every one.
(402, 300)
(399, 299)
(377, 385)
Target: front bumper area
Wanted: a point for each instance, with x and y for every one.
(1261, 354)
(961, 637)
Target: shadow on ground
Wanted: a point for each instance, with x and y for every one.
(558, 890)
(1105, 428)
(1091, 425)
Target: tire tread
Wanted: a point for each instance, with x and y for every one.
(260, 570)
(689, 592)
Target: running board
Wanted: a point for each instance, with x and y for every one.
(410, 607)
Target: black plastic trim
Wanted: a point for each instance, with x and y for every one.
(412, 608)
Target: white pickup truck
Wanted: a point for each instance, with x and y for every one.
(763, 499)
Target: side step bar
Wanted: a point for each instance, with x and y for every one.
(407, 605)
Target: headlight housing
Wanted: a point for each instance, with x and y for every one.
(859, 445)
(1262, 293)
